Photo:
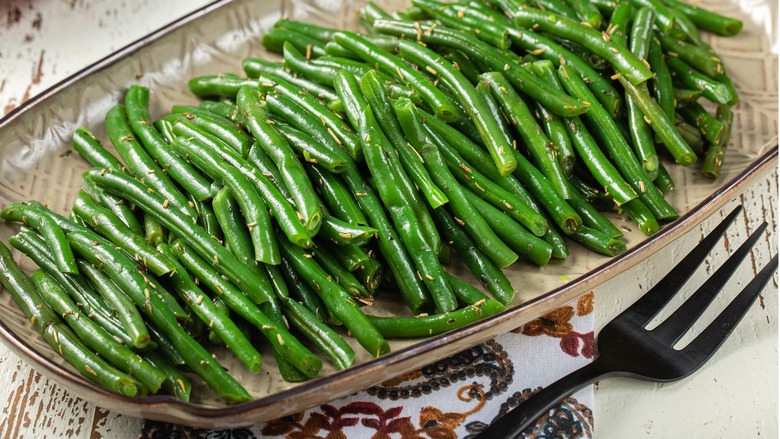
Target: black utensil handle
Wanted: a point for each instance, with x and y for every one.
(512, 424)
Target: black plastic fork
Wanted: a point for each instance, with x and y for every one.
(626, 348)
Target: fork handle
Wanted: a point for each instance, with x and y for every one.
(512, 424)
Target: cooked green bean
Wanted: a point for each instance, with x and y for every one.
(253, 208)
(709, 126)
(617, 146)
(599, 241)
(336, 196)
(274, 39)
(489, 129)
(310, 150)
(338, 128)
(693, 79)
(622, 60)
(713, 157)
(88, 146)
(176, 383)
(181, 172)
(292, 172)
(707, 20)
(337, 300)
(218, 126)
(140, 290)
(59, 336)
(277, 335)
(340, 273)
(111, 227)
(219, 86)
(140, 164)
(389, 63)
(344, 233)
(537, 143)
(207, 312)
(61, 253)
(619, 19)
(33, 245)
(492, 59)
(94, 336)
(192, 234)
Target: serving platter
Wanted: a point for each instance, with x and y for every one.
(36, 164)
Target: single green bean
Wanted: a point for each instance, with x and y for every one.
(55, 238)
(707, 20)
(691, 78)
(599, 241)
(219, 86)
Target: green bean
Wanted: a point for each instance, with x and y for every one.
(154, 232)
(277, 335)
(400, 153)
(59, 336)
(344, 233)
(88, 146)
(663, 127)
(181, 172)
(517, 237)
(227, 110)
(492, 59)
(693, 79)
(117, 205)
(710, 127)
(599, 241)
(388, 119)
(192, 234)
(496, 111)
(662, 88)
(664, 19)
(125, 310)
(340, 274)
(707, 20)
(55, 238)
(617, 146)
(140, 164)
(547, 48)
(334, 64)
(587, 13)
(111, 227)
(337, 300)
(458, 17)
(319, 33)
(398, 261)
(483, 268)
(642, 215)
(422, 253)
(591, 216)
(622, 60)
(207, 312)
(176, 383)
(237, 238)
(300, 291)
(339, 129)
(352, 256)
(336, 197)
(684, 96)
(253, 208)
(139, 289)
(690, 134)
(664, 181)
(429, 325)
(94, 336)
(292, 172)
(255, 67)
(619, 20)
(325, 339)
(487, 190)
(465, 213)
(695, 56)
(207, 219)
(219, 86)
(489, 129)
(389, 63)
(274, 39)
(218, 126)
(537, 144)
(713, 158)
(371, 11)
(32, 245)
(482, 162)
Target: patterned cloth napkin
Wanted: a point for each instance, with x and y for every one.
(456, 397)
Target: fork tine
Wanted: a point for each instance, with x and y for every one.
(644, 309)
(674, 327)
(705, 344)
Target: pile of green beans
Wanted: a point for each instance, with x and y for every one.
(270, 215)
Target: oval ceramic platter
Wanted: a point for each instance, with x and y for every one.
(36, 164)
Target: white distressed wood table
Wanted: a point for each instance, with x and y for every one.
(734, 395)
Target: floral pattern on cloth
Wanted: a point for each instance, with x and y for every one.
(456, 397)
